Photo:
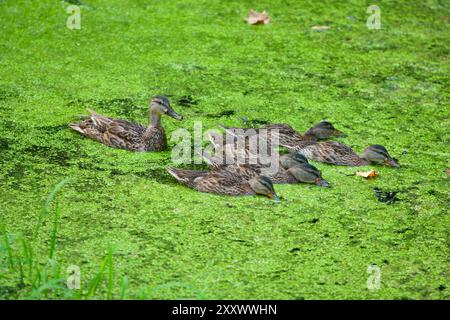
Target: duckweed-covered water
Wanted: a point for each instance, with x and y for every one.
(387, 86)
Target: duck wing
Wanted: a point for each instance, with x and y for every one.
(287, 136)
(124, 134)
(331, 152)
(187, 177)
(228, 180)
(113, 132)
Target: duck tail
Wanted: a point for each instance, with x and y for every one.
(178, 174)
(98, 121)
(76, 126)
(187, 177)
(80, 126)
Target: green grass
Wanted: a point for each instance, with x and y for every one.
(135, 233)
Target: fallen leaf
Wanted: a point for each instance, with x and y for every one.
(321, 28)
(255, 17)
(448, 172)
(367, 174)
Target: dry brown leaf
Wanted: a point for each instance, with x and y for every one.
(255, 17)
(448, 172)
(367, 174)
(321, 28)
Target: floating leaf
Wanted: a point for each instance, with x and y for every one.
(255, 17)
(367, 174)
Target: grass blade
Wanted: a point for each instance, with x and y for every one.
(97, 280)
(54, 231)
(48, 202)
(123, 287)
(8, 248)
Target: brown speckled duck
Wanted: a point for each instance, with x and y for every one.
(124, 134)
(230, 151)
(226, 180)
(288, 137)
(339, 154)
(292, 168)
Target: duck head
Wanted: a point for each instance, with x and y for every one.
(262, 185)
(292, 159)
(324, 130)
(308, 174)
(379, 155)
(161, 105)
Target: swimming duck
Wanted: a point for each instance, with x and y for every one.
(339, 154)
(292, 167)
(226, 180)
(287, 136)
(226, 152)
(124, 134)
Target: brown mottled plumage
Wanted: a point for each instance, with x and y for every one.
(282, 173)
(124, 134)
(339, 154)
(226, 180)
(227, 154)
(287, 136)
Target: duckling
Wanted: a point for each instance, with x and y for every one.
(227, 180)
(124, 134)
(339, 154)
(288, 137)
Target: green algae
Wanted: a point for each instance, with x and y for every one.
(121, 211)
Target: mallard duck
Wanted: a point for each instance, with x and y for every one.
(235, 154)
(124, 134)
(229, 153)
(278, 174)
(287, 136)
(339, 154)
(226, 180)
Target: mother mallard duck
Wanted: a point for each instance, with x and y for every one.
(128, 135)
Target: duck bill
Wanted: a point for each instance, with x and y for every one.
(340, 134)
(273, 197)
(391, 163)
(322, 183)
(174, 115)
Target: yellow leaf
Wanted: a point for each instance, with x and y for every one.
(255, 17)
(367, 174)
